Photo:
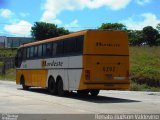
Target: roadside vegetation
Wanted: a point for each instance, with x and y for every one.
(7, 52)
(10, 75)
(145, 68)
(7, 73)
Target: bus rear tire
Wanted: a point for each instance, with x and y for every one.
(94, 93)
(60, 88)
(52, 86)
(25, 87)
(83, 92)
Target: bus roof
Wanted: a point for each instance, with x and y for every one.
(63, 37)
(55, 38)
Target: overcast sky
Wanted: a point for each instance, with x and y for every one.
(17, 16)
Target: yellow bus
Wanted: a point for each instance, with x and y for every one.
(86, 61)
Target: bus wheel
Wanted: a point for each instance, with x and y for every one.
(60, 88)
(94, 92)
(83, 92)
(23, 84)
(52, 86)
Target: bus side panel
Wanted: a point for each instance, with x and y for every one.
(36, 78)
(18, 76)
(27, 77)
(74, 71)
(34, 73)
(63, 73)
(41, 79)
(74, 78)
(70, 72)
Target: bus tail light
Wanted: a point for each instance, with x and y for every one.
(87, 74)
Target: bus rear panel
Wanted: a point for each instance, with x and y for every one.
(105, 61)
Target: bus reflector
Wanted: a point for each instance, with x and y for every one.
(87, 74)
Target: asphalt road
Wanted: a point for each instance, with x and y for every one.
(37, 101)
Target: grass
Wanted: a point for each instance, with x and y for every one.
(145, 68)
(8, 52)
(10, 75)
(1, 64)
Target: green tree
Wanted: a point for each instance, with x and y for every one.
(135, 37)
(43, 30)
(112, 26)
(150, 35)
(158, 42)
(158, 27)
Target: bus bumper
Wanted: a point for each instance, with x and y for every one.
(106, 86)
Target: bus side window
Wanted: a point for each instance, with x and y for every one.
(35, 51)
(20, 54)
(24, 53)
(19, 57)
(31, 52)
(40, 51)
(70, 46)
(44, 50)
(54, 49)
(79, 44)
(28, 51)
(49, 49)
(65, 48)
(59, 50)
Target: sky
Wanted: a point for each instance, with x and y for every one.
(18, 16)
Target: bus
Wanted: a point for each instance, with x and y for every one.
(86, 61)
